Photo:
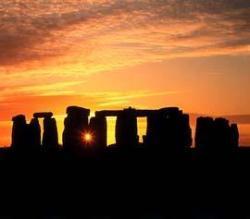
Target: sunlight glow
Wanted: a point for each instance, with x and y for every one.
(88, 137)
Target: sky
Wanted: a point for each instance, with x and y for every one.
(111, 54)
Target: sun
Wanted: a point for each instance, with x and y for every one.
(88, 137)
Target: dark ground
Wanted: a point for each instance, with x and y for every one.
(126, 185)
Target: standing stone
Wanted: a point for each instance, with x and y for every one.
(34, 130)
(185, 132)
(153, 129)
(75, 124)
(50, 135)
(98, 129)
(126, 129)
(19, 133)
(204, 137)
(234, 136)
(222, 134)
(168, 129)
(216, 135)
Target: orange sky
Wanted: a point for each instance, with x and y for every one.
(110, 54)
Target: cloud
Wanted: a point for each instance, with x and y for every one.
(124, 99)
(239, 119)
(96, 36)
(28, 101)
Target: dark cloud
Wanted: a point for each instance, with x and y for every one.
(36, 30)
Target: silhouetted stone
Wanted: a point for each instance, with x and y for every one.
(153, 129)
(168, 129)
(222, 134)
(204, 137)
(169, 126)
(43, 115)
(216, 135)
(75, 124)
(25, 137)
(98, 129)
(34, 134)
(19, 133)
(234, 136)
(185, 132)
(50, 135)
(126, 129)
